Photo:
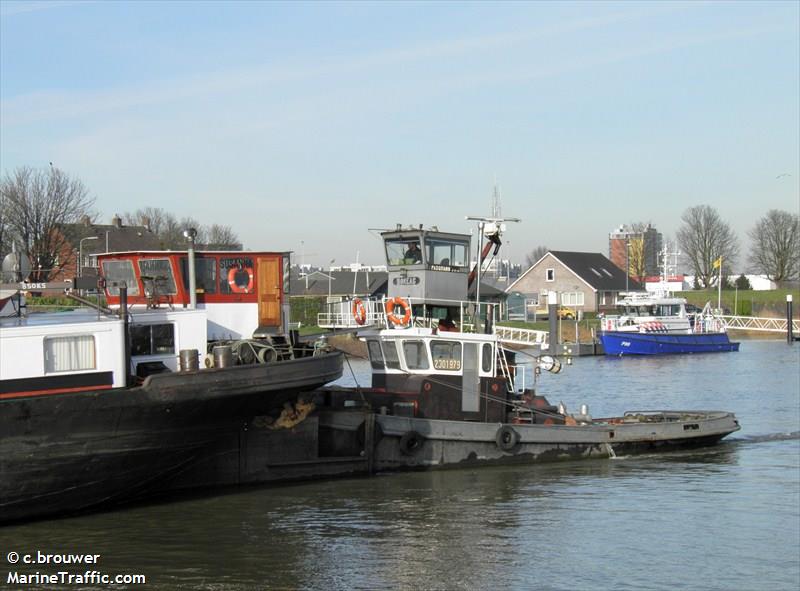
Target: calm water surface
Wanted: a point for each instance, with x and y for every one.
(722, 518)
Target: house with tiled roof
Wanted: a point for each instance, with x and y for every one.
(584, 281)
(85, 240)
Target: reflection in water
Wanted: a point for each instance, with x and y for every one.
(724, 517)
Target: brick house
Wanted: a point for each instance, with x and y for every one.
(584, 281)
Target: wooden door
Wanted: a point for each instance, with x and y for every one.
(270, 280)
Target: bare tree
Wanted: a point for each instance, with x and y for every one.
(704, 237)
(776, 245)
(533, 256)
(5, 234)
(220, 237)
(153, 218)
(38, 203)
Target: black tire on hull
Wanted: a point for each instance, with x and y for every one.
(410, 443)
(507, 438)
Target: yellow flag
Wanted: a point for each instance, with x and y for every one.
(718, 263)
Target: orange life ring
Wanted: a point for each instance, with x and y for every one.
(390, 315)
(235, 287)
(359, 312)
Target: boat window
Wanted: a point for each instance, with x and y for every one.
(205, 274)
(156, 276)
(416, 355)
(375, 354)
(69, 353)
(669, 310)
(486, 357)
(446, 355)
(152, 339)
(446, 253)
(403, 251)
(118, 271)
(390, 354)
(236, 275)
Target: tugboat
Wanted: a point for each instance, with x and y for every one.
(659, 324)
(161, 391)
(444, 393)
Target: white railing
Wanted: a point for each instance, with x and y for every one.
(522, 336)
(761, 324)
(340, 314)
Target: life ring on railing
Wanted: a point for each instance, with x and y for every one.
(235, 287)
(392, 317)
(359, 312)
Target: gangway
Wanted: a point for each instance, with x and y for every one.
(759, 324)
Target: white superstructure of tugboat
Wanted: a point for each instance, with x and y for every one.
(444, 394)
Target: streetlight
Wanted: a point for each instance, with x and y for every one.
(330, 271)
(627, 262)
(80, 253)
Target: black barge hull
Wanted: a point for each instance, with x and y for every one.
(64, 453)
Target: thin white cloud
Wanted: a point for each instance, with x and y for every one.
(9, 8)
(55, 105)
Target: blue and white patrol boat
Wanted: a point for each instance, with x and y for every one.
(658, 323)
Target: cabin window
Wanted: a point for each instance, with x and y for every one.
(205, 274)
(404, 251)
(390, 354)
(375, 354)
(118, 271)
(157, 278)
(152, 339)
(446, 355)
(72, 353)
(486, 358)
(416, 355)
(446, 253)
(550, 274)
(236, 275)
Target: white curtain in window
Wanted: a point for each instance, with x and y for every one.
(69, 353)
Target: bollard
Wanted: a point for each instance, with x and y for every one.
(189, 360)
(223, 356)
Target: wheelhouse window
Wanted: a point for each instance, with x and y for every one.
(205, 274)
(550, 274)
(375, 354)
(404, 251)
(416, 355)
(390, 354)
(152, 339)
(157, 277)
(236, 275)
(447, 253)
(446, 355)
(380, 353)
(486, 357)
(118, 271)
(71, 353)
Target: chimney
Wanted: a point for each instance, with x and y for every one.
(146, 223)
(86, 221)
(116, 221)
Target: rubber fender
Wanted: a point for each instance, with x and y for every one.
(507, 438)
(410, 443)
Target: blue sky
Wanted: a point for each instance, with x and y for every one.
(314, 122)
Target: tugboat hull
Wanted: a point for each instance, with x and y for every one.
(403, 443)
